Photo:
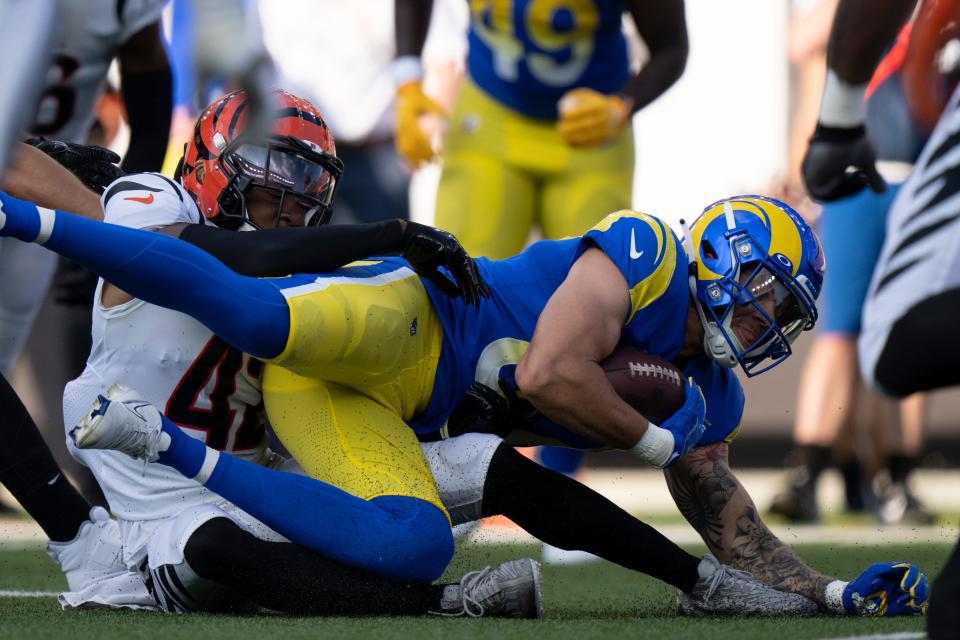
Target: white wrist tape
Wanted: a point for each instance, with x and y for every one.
(656, 445)
(833, 596)
(843, 104)
(47, 218)
(406, 69)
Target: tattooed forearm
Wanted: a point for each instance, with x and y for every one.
(719, 508)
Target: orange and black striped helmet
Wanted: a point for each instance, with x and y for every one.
(298, 159)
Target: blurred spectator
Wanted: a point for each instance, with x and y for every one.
(832, 404)
(338, 55)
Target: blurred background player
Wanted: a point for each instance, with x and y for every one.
(355, 93)
(27, 29)
(837, 419)
(86, 39)
(540, 133)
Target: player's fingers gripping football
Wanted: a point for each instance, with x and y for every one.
(411, 105)
(588, 118)
(687, 424)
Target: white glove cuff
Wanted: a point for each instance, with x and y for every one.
(833, 596)
(843, 104)
(655, 447)
(406, 69)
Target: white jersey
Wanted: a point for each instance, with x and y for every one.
(90, 33)
(211, 390)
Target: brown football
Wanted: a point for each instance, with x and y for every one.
(649, 383)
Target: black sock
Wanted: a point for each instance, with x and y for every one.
(29, 472)
(566, 514)
(853, 488)
(900, 467)
(287, 577)
(810, 461)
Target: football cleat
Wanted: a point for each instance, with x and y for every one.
(512, 590)
(121, 421)
(93, 554)
(725, 591)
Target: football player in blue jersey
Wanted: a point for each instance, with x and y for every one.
(540, 134)
(378, 349)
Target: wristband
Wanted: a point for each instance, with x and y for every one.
(833, 596)
(843, 104)
(406, 69)
(656, 445)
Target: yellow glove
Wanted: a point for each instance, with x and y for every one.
(412, 104)
(589, 118)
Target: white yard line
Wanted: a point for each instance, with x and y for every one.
(28, 594)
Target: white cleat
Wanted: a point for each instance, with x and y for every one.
(512, 590)
(95, 552)
(93, 564)
(725, 591)
(121, 421)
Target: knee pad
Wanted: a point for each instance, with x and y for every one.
(459, 466)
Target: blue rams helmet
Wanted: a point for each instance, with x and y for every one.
(755, 255)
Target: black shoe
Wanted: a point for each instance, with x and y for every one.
(796, 503)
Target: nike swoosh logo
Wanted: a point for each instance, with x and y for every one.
(55, 478)
(136, 409)
(634, 254)
(146, 200)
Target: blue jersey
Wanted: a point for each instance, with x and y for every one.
(527, 53)
(485, 343)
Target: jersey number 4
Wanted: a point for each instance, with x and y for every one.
(222, 364)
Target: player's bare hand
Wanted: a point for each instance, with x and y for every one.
(839, 163)
(95, 166)
(429, 250)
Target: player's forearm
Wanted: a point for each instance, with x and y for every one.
(280, 252)
(577, 395)
(656, 77)
(36, 177)
(862, 30)
(148, 98)
(715, 503)
(662, 25)
(412, 21)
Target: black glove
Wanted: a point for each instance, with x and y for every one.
(484, 410)
(839, 163)
(95, 166)
(427, 249)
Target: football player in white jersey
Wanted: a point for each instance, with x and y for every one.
(87, 36)
(199, 551)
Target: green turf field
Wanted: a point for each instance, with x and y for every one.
(591, 601)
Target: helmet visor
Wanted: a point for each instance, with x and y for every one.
(779, 305)
(279, 167)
